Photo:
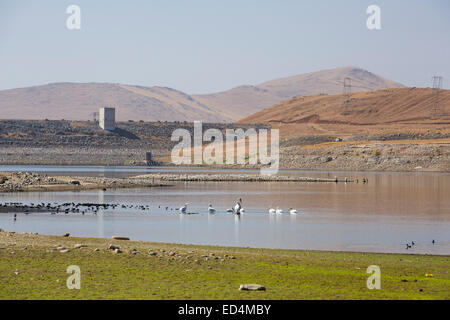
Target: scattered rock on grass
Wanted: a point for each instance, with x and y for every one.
(113, 247)
(252, 287)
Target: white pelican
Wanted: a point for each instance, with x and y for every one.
(279, 211)
(238, 207)
(272, 211)
(292, 211)
(211, 209)
(183, 209)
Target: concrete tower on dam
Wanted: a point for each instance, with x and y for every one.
(107, 118)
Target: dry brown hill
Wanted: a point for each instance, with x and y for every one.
(242, 101)
(399, 107)
(77, 101)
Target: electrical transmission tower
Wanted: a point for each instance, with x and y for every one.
(436, 112)
(347, 95)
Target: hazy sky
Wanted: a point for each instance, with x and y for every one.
(202, 46)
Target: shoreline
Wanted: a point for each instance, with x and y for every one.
(211, 168)
(148, 270)
(314, 168)
(17, 181)
(408, 155)
(229, 177)
(35, 182)
(221, 247)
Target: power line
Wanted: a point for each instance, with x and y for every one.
(436, 111)
(347, 92)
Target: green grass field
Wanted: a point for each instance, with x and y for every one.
(31, 269)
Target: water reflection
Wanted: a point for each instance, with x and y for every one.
(237, 222)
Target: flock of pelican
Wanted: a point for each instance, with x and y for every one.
(237, 209)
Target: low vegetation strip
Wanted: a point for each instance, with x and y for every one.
(34, 267)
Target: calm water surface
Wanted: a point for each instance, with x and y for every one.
(382, 216)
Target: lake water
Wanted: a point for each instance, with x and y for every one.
(382, 216)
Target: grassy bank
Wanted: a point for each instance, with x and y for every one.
(31, 268)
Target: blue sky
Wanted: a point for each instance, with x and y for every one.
(202, 46)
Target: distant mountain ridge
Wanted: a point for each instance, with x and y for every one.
(77, 101)
(245, 100)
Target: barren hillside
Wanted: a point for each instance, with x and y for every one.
(406, 108)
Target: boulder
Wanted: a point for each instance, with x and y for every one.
(252, 287)
(113, 247)
(121, 238)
